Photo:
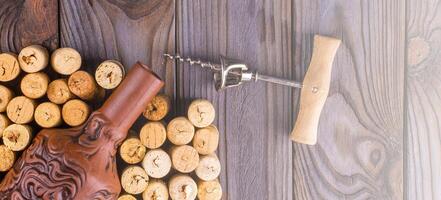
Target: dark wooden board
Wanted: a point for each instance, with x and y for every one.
(423, 174)
(254, 119)
(359, 154)
(27, 22)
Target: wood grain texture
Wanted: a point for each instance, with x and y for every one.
(127, 31)
(27, 22)
(359, 151)
(423, 99)
(255, 119)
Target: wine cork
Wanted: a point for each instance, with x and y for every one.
(157, 163)
(17, 137)
(109, 74)
(20, 110)
(156, 190)
(209, 190)
(158, 108)
(33, 58)
(7, 158)
(153, 135)
(132, 151)
(134, 180)
(206, 140)
(209, 167)
(201, 113)
(180, 131)
(184, 158)
(48, 115)
(182, 187)
(75, 112)
(34, 85)
(9, 67)
(66, 61)
(5, 97)
(126, 197)
(58, 92)
(83, 85)
(4, 122)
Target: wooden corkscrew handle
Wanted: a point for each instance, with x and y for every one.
(315, 90)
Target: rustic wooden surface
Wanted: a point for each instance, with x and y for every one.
(23, 23)
(379, 135)
(360, 147)
(423, 116)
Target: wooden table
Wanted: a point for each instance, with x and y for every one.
(379, 135)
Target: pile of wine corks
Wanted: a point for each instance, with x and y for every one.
(34, 95)
(175, 160)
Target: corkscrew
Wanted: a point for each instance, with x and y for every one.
(231, 73)
(315, 86)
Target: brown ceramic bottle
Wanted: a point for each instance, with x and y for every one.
(79, 163)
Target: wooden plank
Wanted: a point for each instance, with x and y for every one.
(423, 114)
(27, 22)
(359, 152)
(128, 31)
(255, 119)
(23, 23)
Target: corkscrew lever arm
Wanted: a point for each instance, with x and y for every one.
(279, 81)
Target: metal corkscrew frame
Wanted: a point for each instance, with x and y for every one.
(232, 73)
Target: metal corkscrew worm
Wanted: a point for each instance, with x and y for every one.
(231, 73)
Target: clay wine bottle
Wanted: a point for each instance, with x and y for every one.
(79, 163)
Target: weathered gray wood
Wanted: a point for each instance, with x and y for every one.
(423, 100)
(359, 152)
(254, 120)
